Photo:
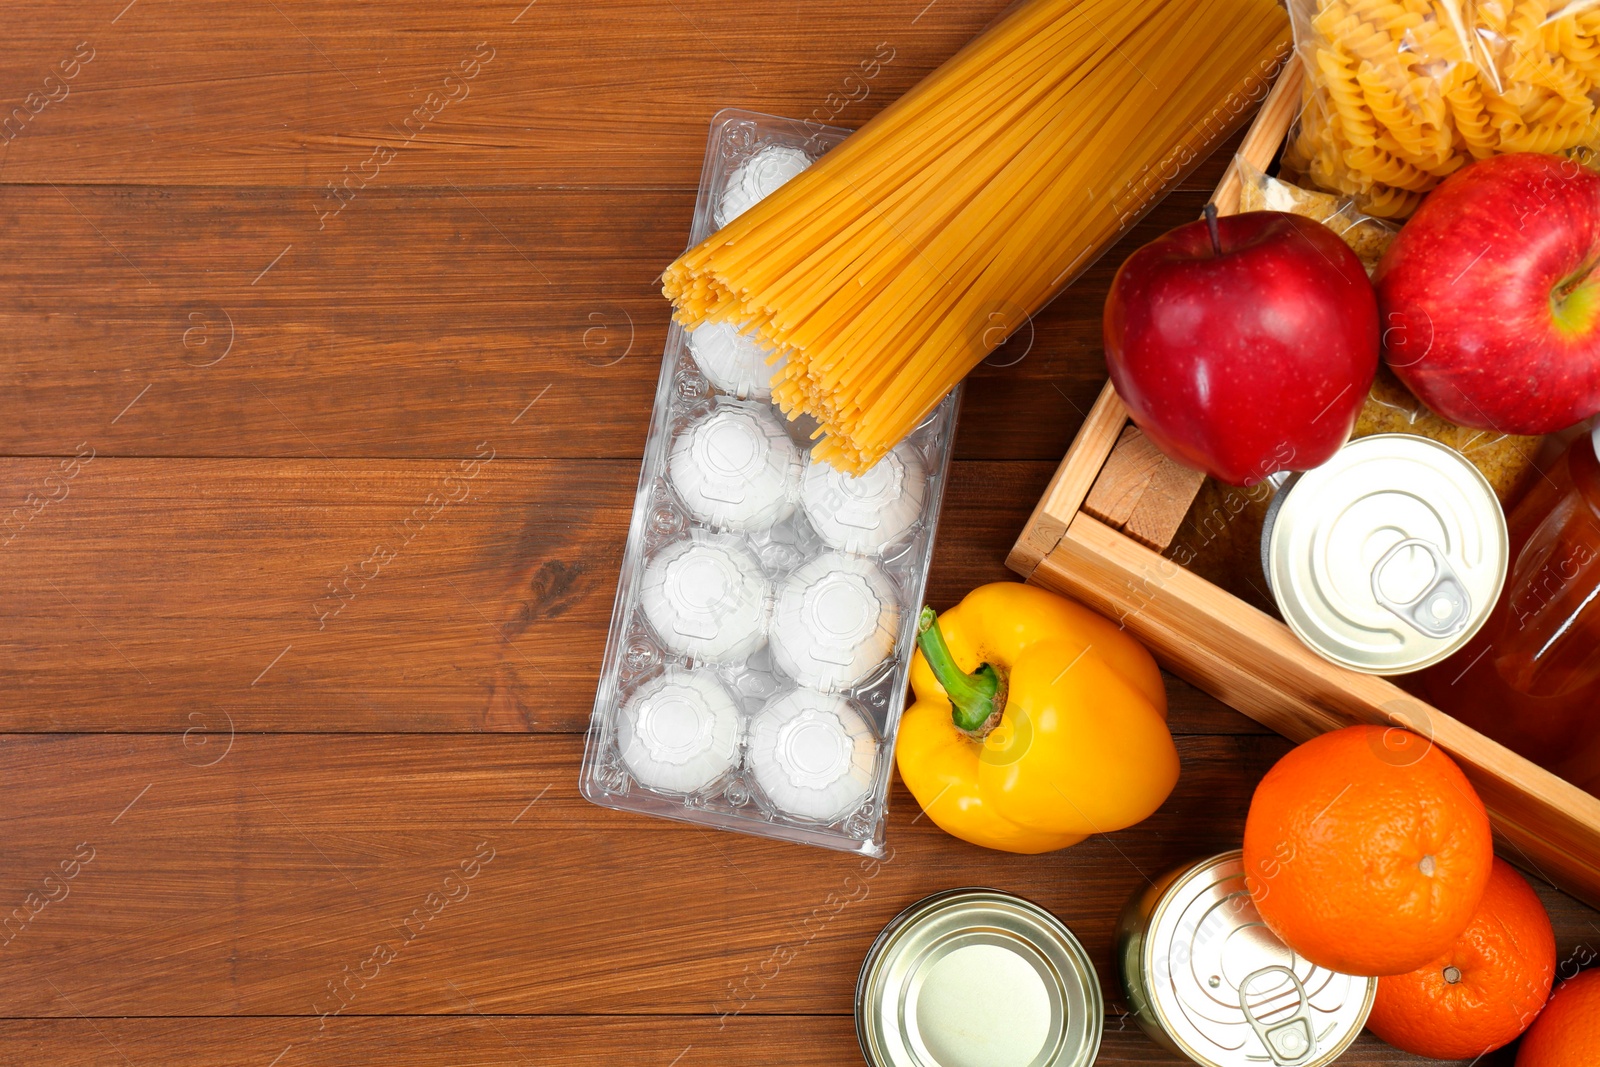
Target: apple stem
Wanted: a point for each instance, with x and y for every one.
(1211, 224)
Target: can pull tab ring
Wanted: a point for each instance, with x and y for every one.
(1443, 607)
(1290, 1041)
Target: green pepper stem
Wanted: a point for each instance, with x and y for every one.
(977, 699)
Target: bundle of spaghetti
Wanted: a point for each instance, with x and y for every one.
(1402, 93)
(892, 267)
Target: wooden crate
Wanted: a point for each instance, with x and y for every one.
(1098, 534)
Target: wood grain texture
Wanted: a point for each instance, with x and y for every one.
(221, 322)
(1074, 477)
(511, 1041)
(292, 92)
(270, 866)
(218, 395)
(292, 856)
(1142, 492)
(1161, 508)
(335, 596)
(1124, 477)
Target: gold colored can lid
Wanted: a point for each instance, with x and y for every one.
(1390, 556)
(1227, 992)
(976, 977)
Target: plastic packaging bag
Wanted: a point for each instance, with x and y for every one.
(1401, 93)
(1368, 237)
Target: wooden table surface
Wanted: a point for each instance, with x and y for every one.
(223, 384)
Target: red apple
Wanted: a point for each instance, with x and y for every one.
(1489, 300)
(1245, 349)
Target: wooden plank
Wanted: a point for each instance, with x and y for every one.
(1124, 478)
(1252, 662)
(145, 591)
(509, 1041)
(1161, 508)
(245, 886)
(293, 856)
(416, 329)
(418, 322)
(327, 595)
(172, 593)
(1142, 492)
(461, 1038)
(294, 93)
(1073, 478)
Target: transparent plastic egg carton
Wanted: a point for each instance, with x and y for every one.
(761, 642)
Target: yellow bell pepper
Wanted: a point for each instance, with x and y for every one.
(1037, 722)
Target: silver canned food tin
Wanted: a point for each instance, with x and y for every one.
(1389, 557)
(1207, 979)
(976, 977)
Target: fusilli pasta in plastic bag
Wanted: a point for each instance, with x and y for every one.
(1400, 93)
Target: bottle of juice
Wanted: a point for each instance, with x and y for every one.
(1530, 679)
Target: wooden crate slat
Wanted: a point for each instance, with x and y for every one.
(1162, 506)
(1124, 478)
(1067, 489)
(1266, 133)
(1141, 491)
(1253, 662)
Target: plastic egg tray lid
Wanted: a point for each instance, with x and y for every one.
(761, 641)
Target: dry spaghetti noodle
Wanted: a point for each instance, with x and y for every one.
(897, 263)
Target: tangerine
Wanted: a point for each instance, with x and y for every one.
(1485, 990)
(1366, 850)
(1567, 1032)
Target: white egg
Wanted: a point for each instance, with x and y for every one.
(813, 754)
(867, 513)
(734, 362)
(679, 732)
(735, 468)
(834, 621)
(706, 597)
(758, 178)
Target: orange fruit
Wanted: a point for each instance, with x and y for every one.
(1485, 990)
(1567, 1032)
(1366, 850)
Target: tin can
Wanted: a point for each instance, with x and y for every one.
(973, 977)
(1389, 557)
(1205, 978)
